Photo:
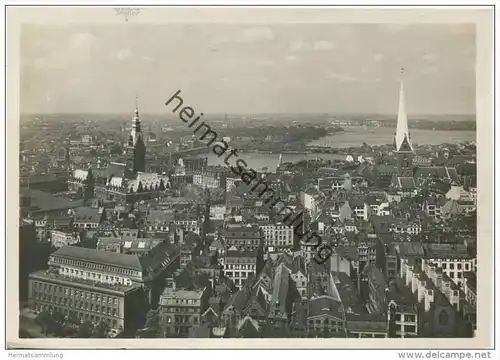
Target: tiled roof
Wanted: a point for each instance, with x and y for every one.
(101, 257)
(87, 215)
(324, 305)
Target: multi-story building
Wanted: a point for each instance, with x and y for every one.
(402, 310)
(367, 326)
(454, 259)
(248, 236)
(469, 288)
(190, 224)
(338, 182)
(195, 163)
(231, 183)
(159, 220)
(87, 217)
(406, 227)
(63, 238)
(311, 200)
(101, 286)
(432, 207)
(439, 300)
(239, 266)
(212, 178)
(325, 317)
(181, 310)
(277, 235)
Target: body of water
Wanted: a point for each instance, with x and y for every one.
(257, 161)
(356, 135)
(351, 137)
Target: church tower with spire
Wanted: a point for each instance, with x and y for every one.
(136, 150)
(402, 142)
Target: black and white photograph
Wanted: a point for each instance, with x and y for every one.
(253, 179)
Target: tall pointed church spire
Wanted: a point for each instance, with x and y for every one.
(402, 139)
(136, 149)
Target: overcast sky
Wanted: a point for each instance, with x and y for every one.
(278, 68)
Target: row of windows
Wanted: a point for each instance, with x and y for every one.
(180, 319)
(271, 237)
(86, 225)
(40, 287)
(95, 276)
(242, 242)
(184, 309)
(244, 274)
(452, 266)
(240, 267)
(85, 264)
(75, 304)
(83, 316)
(184, 301)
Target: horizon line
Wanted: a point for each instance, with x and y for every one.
(253, 114)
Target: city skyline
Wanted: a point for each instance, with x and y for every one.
(294, 68)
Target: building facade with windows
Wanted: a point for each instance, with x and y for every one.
(277, 235)
(95, 286)
(181, 310)
(239, 266)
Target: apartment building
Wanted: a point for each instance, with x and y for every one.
(277, 235)
(249, 237)
(240, 265)
(454, 259)
(181, 310)
(63, 238)
(101, 286)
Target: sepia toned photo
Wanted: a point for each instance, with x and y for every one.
(278, 178)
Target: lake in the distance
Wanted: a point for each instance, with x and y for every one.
(356, 135)
(352, 136)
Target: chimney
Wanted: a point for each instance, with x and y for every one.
(429, 299)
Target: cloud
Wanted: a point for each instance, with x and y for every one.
(341, 77)
(250, 35)
(378, 57)
(291, 58)
(147, 59)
